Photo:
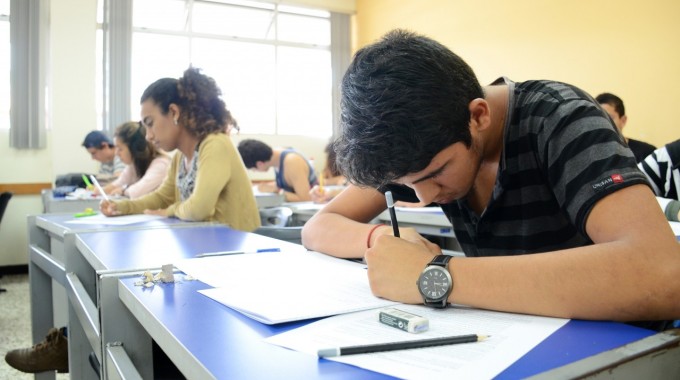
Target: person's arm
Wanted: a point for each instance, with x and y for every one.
(116, 187)
(629, 273)
(159, 199)
(296, 174)
(340, 228)
(153, 177)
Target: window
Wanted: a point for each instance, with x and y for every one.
(4, 64)
(272, 62)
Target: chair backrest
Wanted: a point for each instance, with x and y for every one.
(276, 216)
(289, 234)
(4, 200)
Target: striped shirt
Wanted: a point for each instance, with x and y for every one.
(561, 155)
(662, 167)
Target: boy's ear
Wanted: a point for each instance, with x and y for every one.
(480, 115)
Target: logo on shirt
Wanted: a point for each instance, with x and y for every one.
(605, 183)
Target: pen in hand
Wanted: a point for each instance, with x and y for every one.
(393, 214)
(99, 187)
(393, 346)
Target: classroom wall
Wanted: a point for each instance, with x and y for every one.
(626, 47)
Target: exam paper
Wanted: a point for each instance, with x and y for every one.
(115, 220)
(298, 285)
(512, 336)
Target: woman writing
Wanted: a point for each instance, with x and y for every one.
(146, 165)
(207, 180)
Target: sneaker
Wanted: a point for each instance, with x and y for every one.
(48, 355)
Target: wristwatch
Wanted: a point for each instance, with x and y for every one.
(435, 282)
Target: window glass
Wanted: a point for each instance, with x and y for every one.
(311, 30)
(233, 21)
(155, 56)
(304, 92)
(270, 88)
(159, 14)
(245, 72)
(4, 64)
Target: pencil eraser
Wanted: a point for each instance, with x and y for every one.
(403, 320)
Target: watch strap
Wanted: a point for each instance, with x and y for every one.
(441, 260)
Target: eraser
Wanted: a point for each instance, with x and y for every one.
(403, 320)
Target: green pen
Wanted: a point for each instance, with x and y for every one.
(87, 181)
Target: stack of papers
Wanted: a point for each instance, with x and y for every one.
(293, 285)
(511, 337)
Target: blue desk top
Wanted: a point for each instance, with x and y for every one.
(230, 344)
(56, 223)
(151, 248)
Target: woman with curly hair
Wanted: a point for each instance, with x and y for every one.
(146, 167)
(207, 180)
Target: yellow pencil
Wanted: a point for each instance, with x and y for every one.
(321, 184)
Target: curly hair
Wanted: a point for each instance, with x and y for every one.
(133, 134)
(404, 99)
(203, 110)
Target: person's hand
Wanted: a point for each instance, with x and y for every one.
(159, 212)
(268, 187)
(405, 233)
(108, 208)
(394, 265)
(115, 190)
(318, 196)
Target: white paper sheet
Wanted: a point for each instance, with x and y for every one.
(512, 336)
(114, 221)
(298, 285)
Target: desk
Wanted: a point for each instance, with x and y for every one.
(98, 258)
(208, 340)
(47, 255)
(265, 200)
(53, 205)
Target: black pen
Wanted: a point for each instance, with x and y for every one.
(381, 347)
(393, 214)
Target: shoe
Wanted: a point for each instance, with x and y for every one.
(48, 355)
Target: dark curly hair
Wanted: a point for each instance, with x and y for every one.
(404, 99)
(133, 134)
(203, 110)
(253, 151)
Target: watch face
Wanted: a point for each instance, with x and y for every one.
(434, 283)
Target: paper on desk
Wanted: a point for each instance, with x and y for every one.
(675, 226)
(298, 285)
(512, 336)
(114, 221)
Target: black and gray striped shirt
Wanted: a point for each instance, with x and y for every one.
(561, 155)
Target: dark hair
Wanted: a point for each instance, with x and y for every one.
(253, 151)
(404, 99)
(133, 134)
(95, 139)
(199, 98)
(332, 161)
(612, 100)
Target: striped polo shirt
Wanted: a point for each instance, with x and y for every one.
(662, 168)
(561, 154)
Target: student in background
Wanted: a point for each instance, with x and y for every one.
(662, 168)
(546, 230)
(146, 168)
(616, 110)
(207, 180)
(294, 173)
(330, 176)
(102, 149)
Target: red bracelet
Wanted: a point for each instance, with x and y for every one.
(368, 240)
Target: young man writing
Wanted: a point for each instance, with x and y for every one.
(294, 173)
(546, 200)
